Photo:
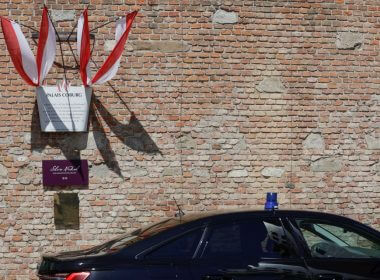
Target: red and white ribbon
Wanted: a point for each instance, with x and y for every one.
(111, 65)
(32, 70)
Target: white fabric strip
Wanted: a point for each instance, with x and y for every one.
(79, 33)
(79, 45)
(28, 61)
(49, 53)
(121, 26)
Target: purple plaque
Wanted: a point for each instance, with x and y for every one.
(64, 172)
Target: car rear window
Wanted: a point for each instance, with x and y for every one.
(182, 247)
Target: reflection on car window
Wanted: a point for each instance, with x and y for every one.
(122, 242)
(146, 232)
(182, 247)
(276, 243)
(224, 240)
(248, 239)
(326, 240)
(153, 229)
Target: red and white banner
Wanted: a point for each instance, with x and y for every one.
(32, 70)
(46, 46)
(111, 65)
(83, 48)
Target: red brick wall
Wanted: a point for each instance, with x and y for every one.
(239, 97)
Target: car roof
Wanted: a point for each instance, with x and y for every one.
(260, 211)
(232, 214)
(290, 212)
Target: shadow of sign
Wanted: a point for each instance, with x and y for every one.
(133, 135)
(39, 140)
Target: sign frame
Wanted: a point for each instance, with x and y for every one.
(63, 110)
(65, 173)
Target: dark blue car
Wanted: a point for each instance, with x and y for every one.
(257, 245)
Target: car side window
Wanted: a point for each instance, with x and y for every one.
(248, 239)
(182, 247)
(224, 240)
(327, 240)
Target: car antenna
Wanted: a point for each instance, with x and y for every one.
(180, 213)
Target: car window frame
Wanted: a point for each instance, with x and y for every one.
(354, 226)
(203, 243)
(143, 254)
(293, 236)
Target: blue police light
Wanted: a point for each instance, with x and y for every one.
(271, 203)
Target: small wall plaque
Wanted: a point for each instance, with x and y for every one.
(66, 211)
(65, 172)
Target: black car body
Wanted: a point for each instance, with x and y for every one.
(257, 245)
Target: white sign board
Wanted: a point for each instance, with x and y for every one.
(63, 110)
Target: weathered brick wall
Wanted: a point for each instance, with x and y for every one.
(232, 99)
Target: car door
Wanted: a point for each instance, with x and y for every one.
(254, 248)
(170, 258)
(340, 250)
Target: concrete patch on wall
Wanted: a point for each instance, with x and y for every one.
(100, 171)
(349, 40)
(271, 85)
(16, 151)
(137, 172)
(186, 142)
(6, 140)
(3, 172)
(19, 156)
(67, 15)
(272, 172)
(372, 142)
(376, 168)
(240, 145)
(327, 165)
(161, 46)
(28, 138)
(375, 99)
(172, 171)
(314, 141)
(27, 175)
(224, 17)
(238, 173)
(201, 172)
(109, 45)
(211, 123)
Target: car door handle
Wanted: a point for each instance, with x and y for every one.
(329, 277)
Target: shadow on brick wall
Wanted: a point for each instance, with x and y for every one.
(39, 140)
(133, 135)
